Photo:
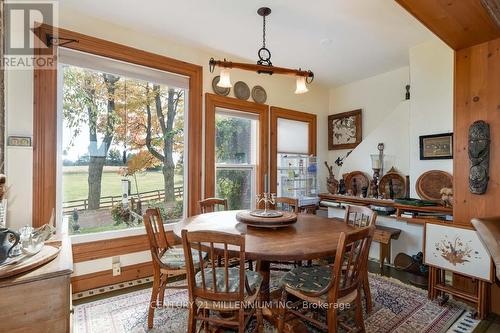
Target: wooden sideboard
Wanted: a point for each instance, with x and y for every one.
(40, 300)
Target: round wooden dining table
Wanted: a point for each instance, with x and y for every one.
(311, 237)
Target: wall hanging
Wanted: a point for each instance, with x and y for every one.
(241, 90)
(479, 157)
(436, 146)
(344, 130)
(259, 95)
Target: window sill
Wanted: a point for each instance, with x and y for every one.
(107, 235)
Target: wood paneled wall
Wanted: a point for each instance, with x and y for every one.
(477, 97)
(467, 27)
(459, 23)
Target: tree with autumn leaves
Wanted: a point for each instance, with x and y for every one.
(146, 118)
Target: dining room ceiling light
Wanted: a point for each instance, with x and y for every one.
(225, 79)
(301, 87)
(264, 64)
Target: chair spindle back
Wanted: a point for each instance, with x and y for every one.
(359, 217)
(287, 204)
(215, 245)
(158, 241)
(209, 205)
(350, 260)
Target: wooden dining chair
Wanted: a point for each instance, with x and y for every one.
(210, 205)
(218, 288)
(360, 217)
(167, 260)
(287, 204)
(332, 286)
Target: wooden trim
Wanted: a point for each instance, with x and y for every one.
(276, 113)
(262, 68)
(213, 101)
(459, 23)
(45, 115)
(114, 247)
(44, 137)
(106, 278)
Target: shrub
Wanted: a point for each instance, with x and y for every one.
(121, 214)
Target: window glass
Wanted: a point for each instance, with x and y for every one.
(236, 151)
(123, 149)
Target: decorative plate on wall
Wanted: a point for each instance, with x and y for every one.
(398, 185)
(357, 178)
(259, 95)
(219, 90)
(430, 183)
(241, 90)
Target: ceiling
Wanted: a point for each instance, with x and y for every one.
(341, 41)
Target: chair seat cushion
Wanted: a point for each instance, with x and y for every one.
(254, 279)
(174, 258)
(312, 279)
(307, 279)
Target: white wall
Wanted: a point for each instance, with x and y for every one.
(394, 134)
(431, 107)
(377, 96)
(430, 112)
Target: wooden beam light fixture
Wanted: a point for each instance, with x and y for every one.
(263, 66)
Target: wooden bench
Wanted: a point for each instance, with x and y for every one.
(383, 235)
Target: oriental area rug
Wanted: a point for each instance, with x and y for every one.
(397, 308)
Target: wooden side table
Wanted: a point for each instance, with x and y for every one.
(39, 300)
(384, 235)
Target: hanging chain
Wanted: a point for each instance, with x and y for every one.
(264, 31)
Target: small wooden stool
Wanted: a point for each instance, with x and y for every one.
(383, 235)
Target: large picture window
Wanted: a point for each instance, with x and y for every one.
(123, 143)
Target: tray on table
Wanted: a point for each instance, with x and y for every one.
(288, 218)
(24, 263)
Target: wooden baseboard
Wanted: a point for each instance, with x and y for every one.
(105, 278)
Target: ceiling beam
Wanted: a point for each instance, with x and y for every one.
(459, 23)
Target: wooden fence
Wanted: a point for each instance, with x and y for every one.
(110, 201)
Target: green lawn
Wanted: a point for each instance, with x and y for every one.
(75, 185)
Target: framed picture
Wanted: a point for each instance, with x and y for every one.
(19, 141)
(457, 249)
(436, 146)
(344, 130)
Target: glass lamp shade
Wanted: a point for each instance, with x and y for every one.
(301, 85)
(376, 162)
(225, 79)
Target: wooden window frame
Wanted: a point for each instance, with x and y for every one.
(277, 113)
(261, 110)
(45, 114)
